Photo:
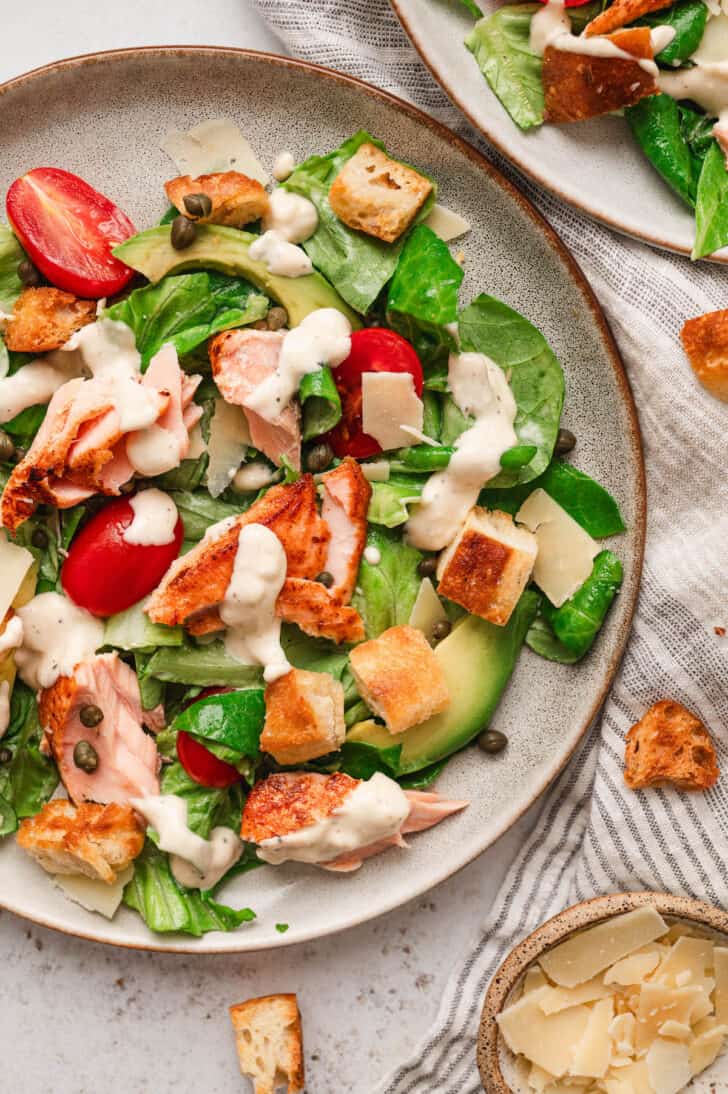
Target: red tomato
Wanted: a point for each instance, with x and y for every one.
(68, 230)
(372, 350)
(202, 766)
(105, 574)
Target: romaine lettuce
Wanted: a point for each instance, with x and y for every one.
(500, 45)
(711, 204)
(386, 593)
(28, 778)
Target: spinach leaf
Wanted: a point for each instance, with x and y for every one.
(24, 426)
(207, 807)
(585, 500)
(687, 18)
(711, 204)
(198, 511)
(321, 403)
(58, 529)
(542, 640)
(362, 760)
(420, 780)
(152, 691)
(656, 125)
(500, 45)
(386, 593)
(537, 382)
(577, 622)
(423, 297)
(187, 476)
(164, 905)
(697, 129)
(234, 719)
(187, 309)
(358, 265)
(432, 415)
(389, 500)
(11, 254)
(29, 778)
(204, 666)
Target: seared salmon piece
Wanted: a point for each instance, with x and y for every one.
(179, 414)
(345, 505)
(94, 841)
(241, 360)
(195, 584)
(128, 761)
(311, 607)
(286, 803)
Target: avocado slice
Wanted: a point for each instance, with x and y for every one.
(226, 249)
(478, 659)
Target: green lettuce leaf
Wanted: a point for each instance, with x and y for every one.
(187, 309)
(421, 780)
(11, 254)
(711, 204)
(542, 640)
(656, 125)
(489, 326)
(188, 476)
(58, 529)
(207, 807)
(386, 593)
(687, 18)
(471, 7)
(199, 511)
(389, 500)
(578, 621)
(29, 778)
(204, 666)
(133, 630)
(320, 401)
(164, 905)
(358, 265)
(500, 45)
(24, 426)
(234, 719)
(362, 760)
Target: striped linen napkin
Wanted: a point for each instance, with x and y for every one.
(592, 835)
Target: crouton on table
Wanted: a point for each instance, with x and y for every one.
(95, 841)
(44, 319)
(400, 678)
(705, 340)
(487, 566)
(235, 199)
(304, 716)
(378, 195)
(269, 1042)
(670, 745)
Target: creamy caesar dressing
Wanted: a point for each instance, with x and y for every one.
(34, 384)
(551, 26)
(4, 708)
(283, 166)
(155, 519)
(12, 636)
(253, 476)
(291, 215)
(196, 863)
(479, 385)
(249, 609)
(153, 451)
(56, 636)
(705, 84)
(322, 338)
(279, 256)
(372, 555)
(374, 810)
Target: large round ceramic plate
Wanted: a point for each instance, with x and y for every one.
(595, 166)
(103, 117)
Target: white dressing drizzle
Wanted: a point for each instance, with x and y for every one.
(705, 84)
(249, 608)
(283, 166)
(56, 636)
(294, 217)
(481, 390)
(34, 384)
(372, 555)
(155, 519)
(279, 256)
(153, 450)
(374, 810)
(196, 863)
(322, 338)
(12, 636)
(253, 476)
(4, 708)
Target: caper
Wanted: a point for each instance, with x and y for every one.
(184, 233)
(39, 539)
(7, 448)
(325, 578)
(85, 756)
(441, 629)
(260, 324)
(198, 205)
(427, 567)
(564, 442)
(277, 318)
(91, 716)
(28, 273)
(127, 488)
(319, 457)
(6, 755)
(492, 741)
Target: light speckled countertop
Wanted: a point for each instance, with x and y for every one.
(77, 1017)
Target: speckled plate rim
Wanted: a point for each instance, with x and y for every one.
(248, 943)
(541, 179)
(555, 930)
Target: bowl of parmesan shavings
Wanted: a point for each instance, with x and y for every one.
(622, 994)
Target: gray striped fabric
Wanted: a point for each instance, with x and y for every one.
(593, 835)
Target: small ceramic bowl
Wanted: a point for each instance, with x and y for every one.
(499, 1070)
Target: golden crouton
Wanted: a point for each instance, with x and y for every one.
(96, 841)
(304, 716)
(487, 566)
(269, 1042)
(621, 13)
(577, 86)
(705, 341)
(670, 745)
(236, 199)
(44, 319)
(400, 678)
(378, 195)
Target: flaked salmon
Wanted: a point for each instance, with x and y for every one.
(345, 504)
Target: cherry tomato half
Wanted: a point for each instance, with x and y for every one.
(202, 766)
(372, 350)
(69, 230)
(105, 574)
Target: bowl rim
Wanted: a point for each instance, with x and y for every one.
(591, 302)
(572, 920)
